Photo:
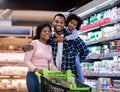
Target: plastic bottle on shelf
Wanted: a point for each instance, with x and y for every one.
(115, 60)
(95, 17)
(106, 49)
(102, 15)
(113, 13)
(118, 12)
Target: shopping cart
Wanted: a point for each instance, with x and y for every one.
(49, 86)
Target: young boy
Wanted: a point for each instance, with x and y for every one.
(73, 24)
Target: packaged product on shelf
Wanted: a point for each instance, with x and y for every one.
(14, 70)
(104, 83)
(113, 46)
(5, 83)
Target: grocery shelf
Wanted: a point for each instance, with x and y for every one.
(96, 74)
(12, 51)
(103, 56)
(86, 31)
(15, 62)
(13, 90)
(116, 20)
(15, 76)
(103, 39)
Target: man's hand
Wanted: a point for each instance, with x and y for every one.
(27, 47)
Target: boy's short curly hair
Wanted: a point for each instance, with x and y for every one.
(72, 16)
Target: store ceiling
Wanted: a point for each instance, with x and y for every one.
(32, 12)
(45, 5)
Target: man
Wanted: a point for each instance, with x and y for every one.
(65, 53)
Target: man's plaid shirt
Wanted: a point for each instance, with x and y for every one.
(70, 50)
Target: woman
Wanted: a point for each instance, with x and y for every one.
(39, 58)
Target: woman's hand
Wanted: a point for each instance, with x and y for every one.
(37, 70)
(63, 71)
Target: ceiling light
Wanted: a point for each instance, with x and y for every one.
(109, 2)
(6, 13)
(87, 12)
(102, 5)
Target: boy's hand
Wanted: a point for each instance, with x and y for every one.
(59, 38)
(55, 40)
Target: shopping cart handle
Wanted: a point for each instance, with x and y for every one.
(38, 76)
(80, 89)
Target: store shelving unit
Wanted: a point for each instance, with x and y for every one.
(102, 41)
(98, 78)
(11, 74)
(12, 39)
(103, 56)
